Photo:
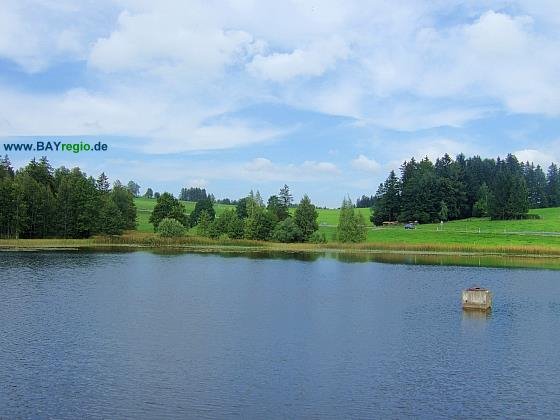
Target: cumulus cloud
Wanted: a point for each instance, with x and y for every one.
(198, 183)
(434, 148)
(34, 35)
(174, 138)
(363, 163)
(125, 113)
(161, 40)
(313, 60)
(538, 157)
(497, 56)
(397, 152)
(265, 170)
(202, 172)
(164, 69)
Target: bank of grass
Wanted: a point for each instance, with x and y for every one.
(146, 239)
(424, 254)
(46, 243)
(150, 240)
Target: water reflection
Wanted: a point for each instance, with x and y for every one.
(251, 254)
(474, 315)
(475, 323)
(497, 261)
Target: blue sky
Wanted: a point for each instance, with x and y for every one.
(237, 95)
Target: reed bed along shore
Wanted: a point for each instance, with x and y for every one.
(151, 240)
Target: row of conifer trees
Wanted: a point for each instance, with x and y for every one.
(463, 187)
(38, 201)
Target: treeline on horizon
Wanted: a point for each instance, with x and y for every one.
(450, 189)
(38, 201)
(193, 194)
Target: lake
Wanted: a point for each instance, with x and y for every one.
(147, 335)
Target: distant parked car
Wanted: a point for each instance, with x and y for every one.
(410, 226)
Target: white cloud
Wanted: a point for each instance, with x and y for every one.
(433, 148)
(169, 72)
(15, 44)
(124, 113)
(198, 183)
(36, 34)
(258, 170)
(320, 167)
(263, 169)
(340, 98)
(537, 157)
(498, 57)
(363, 163)
(436, 148)
(230, 134)
(408, 115)
(395, 152)
(164, 40)
(313, 60)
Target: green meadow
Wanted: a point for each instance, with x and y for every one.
(144, 206)
(536, 236)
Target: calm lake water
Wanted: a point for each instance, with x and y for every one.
(142, 335)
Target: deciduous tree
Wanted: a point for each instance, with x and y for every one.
(168, 206)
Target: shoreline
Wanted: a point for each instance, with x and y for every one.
(208, 245)
(346, 253)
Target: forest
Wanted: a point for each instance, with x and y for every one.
(38, 201)
(501, 189)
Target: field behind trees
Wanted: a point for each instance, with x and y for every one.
(530, 236)
(328, 218)
(145, 206)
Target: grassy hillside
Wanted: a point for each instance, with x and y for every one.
(479, 232)
(471, 234)
(327, 217)
(474, 232)
(144, 207)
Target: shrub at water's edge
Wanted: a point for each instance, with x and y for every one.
(171, 228)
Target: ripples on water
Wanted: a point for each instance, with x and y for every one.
(173, 336)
